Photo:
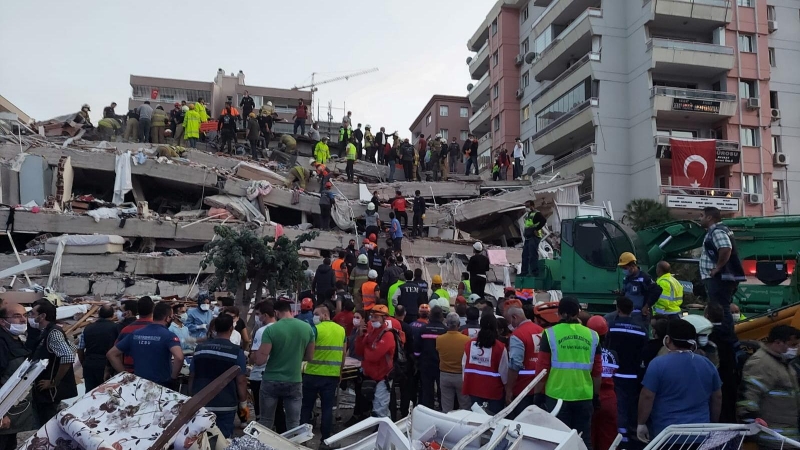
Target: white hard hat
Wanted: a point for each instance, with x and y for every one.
(473, 298)
(441, 302)
(372, 273)
(185, 108)
(478, 247)
(362, 259)
(438, 135)
(368, 126)
(311, 161)
(700, 323)
(371, 206)
(269, 103)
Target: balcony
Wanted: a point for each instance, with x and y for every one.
(575, 162)
(479, 94)
(480, 121)
(686, 202)
(680, 57)
(484, 143)
(561, 12)
(690, 15)
(568, 79)
(575, 125)
(576, 39)
(696, 105)
(479, 64)
(728, 152)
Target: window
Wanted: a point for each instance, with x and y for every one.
(567, 102)
(773, 99)
(777, 189)
(428, 119)
(749, 137)
(464, 135)
(523, 48)
(776, 144)
(444, 110)
(445, 133)
(747, 89)
(770, 12)
(526, 113)
(599, 244)
(495, 59)
(526, 146)
(677, 133)
(463, 112)
(495, 90)
(524, 15)
(747, 43)
(752, 183)
(494, 27)
(526, 80)
(496, 123)
(747, 3)
(771, 57)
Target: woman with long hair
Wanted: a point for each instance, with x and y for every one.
(485, 366)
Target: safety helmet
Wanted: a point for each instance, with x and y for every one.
(438, 135)
(442, 303)
(380, 309)
(461, 299)
(548, 312)
(86, 105)
(372, 237)
(185, 108)
(307, 304)
(473, 298)
(371, 207)
(700, 323)
(312, 161)
(626, 258)
(437, 279)
(367, 127)
(269, 103)
(598, 324)
(362, 259)
(328, 185)
(478, 247)
(326, 138)
(372, 274)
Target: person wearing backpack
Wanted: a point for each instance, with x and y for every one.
(227, 127)
(376, 345)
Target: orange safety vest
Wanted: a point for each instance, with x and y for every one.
(234, 111)
(340, 269)
(368, 296)
(482, 371)
(530, 334)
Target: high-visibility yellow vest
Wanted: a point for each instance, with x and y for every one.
(351, 152)
(671, 298)
(442, 293)
(467, 288)
(530, 224)
(328, 350)
(572, 351)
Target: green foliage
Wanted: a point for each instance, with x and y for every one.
(238, 255)
(644, 212)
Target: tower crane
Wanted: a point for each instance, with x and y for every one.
(314, 83)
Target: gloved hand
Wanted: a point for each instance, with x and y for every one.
(243, 412)
(642, 433)
(202, 326)
(596, 402)
(540, 400)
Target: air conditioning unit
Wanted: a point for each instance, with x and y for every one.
(518, 60)
(772, 26)
(520, 93)
(775, 113)
(753, 103)
(777, 203)
(780, 159)
(755, 199)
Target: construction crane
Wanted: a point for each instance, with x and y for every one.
(314, 83)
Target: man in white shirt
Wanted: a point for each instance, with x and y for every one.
(265, 316)
(518, 159)
(347, 120)
(313, 133)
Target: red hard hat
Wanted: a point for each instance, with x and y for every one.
(307, 304)
(372, 237)
(328, 184)
(598, 324)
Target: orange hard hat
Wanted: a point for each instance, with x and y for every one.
(598, 324)
(373, 238)
(512, 303)
(547, 312)
(307, 304)
(380, 309)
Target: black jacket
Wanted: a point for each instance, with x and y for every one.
(265, 123)
(176, 117)
(478, 265)
(425, 347)
(247, 104)
(390, 276)
(419, 205)
(358, 134)
(108, 112)
(324, 280)
(227, 123)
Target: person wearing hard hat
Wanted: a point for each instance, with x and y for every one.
(307, 312)
(546, 314)
(108, 127)
(359, 276)
(534, 221)
(705, 347)
(477, 267)
(287, 143)
(639, 287)
(191, 125)
(82, 117)
(298, 175)
(604, 420)
(418, 209)
(321, 151)
(376, 345)
(176, 122)
(523, 353)
(439, 293)
(370, 291)
(671, 298)
(371, 220)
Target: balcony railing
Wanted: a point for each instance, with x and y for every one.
(565, 117)
(697, 94)
(484, 138)
(720, 3)
(479, 112)
(700, 192)
(690, 46)
(586, 196)
(482, 79)
(721, 144)
(593, 12)
(591, 56)
(554, 165)
(479, 53)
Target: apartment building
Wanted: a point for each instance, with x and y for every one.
(601, 88)
(167, 91)
(446, 115)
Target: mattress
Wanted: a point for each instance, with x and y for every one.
(86, 244)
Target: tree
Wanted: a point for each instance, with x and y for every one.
(644, 212)
(240, 256)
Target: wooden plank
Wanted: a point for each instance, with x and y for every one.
(79, 324)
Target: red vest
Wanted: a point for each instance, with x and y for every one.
(481, 372)
(530, 334)
(471, 332)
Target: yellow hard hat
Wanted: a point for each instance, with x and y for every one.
(437, 279)
(626, 258)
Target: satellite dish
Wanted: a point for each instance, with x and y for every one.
(469, 59)
(529, 57)
(470, 86)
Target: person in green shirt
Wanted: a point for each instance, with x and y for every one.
(284, 347)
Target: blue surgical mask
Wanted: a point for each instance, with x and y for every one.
(626, 272)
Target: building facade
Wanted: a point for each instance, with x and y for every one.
(446, 115)
(167, 91)
(603, 86)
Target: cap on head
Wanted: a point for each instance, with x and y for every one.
(626, 258)
(307, 304)
(598, 324)
(437, 279)
(362, 259)
(478, 247)
(380, 309)
(372, 274)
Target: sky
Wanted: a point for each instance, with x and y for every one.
(63, 54)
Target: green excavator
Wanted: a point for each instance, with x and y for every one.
(587, 251)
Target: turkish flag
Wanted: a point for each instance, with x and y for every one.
(154, 94)
(693, 162)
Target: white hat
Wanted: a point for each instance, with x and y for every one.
(441, 302)
(473, 298)
(478, 247)
(372, 274)
(371, 206)
(185, 108)
(311, 161)
(362, 259)
(269, 103)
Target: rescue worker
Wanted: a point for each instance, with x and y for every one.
(546, 314)
(370, 292)
(358, 136)
(298, 175)
(359, 276)
(703, 327)
(82, 116)
(728, 369)
(393, 294)
(158, 123)
(307, 313)
(326, 202)
(369, 143)
(399, 204)
(265, 122)
(340, 268)
(131, 126)
(671, 298)
(409, 297)
(639, 287)
(287, 143)
(770, 391)
(351, 154)
(108, 111)
(226, 126)
(95, 341)
(428, 359)
(391, 275)
(322, 373)
(477, 267)
(253, 135)
(423, 285)
(440, 293)
(108, 128)
(371, 220)
(604, 420)
(407, 158)
(472, 325)
(321, 151)
(534, 222)
(191, 126)
(200, 107)
(344, 138)
(176, 122)
(485, 367)
(247, 104)
(376, 346)
(418, 207)
(464, 289)
(523, 353)
(569, 351)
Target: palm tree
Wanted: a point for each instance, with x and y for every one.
(644, 212)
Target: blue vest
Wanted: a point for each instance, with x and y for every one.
(634, 288)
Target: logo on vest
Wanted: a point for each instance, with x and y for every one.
(576, 343)
(480, 356)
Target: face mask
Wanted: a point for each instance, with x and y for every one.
(736, 317)
(376, 324)
(316, 320)
(32, 322)
(702, 340)
(626, 272)
(356, 322)
(184, 317)
(120, 316)
(258, 321)
(510, 327)
(204, 307)
(17, 329)
(216, 311)
(790, 353)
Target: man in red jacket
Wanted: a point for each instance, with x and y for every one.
(375, 345)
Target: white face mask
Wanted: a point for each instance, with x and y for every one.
(316, 320)
(216, 311)
(184, 317)
(32, 322)
(258, 321)
(702, 340)
(356, 321)
(17, 329)
(120, 316)
(736, 317)
(204, 307)
(376, 324)
(790, 353)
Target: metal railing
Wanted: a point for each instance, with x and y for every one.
(479, 112)
(721, 144)
(554, 165)
(697, 94)
(565, 117)
(590, 12)
(479, 54)
(586, 196)
(720, 3)
(667, 189)
(688, 45)
(484, 138)
(484, 78)
(591, 56)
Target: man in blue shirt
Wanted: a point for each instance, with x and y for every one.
(156, 351)
(396, 232)
(680, 387)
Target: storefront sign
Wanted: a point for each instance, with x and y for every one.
(692, 202)
(688, 104)
(722, 156)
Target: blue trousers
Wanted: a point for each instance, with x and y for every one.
(225, 422)
(530, 256)
(325, 387)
